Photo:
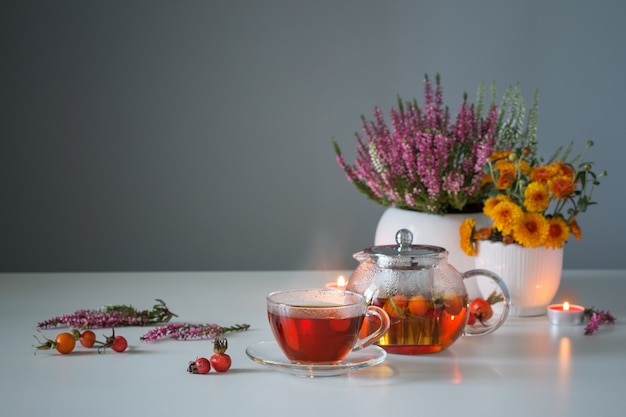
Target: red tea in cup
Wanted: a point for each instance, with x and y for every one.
(321, 325)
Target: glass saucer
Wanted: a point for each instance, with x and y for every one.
(270, 355)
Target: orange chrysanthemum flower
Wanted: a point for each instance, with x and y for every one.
(466, 230)
(567, 170)
(506, 216)
(562, 186)
(532, 230)
(536, 197)
(542, 174)
(505, 180)
(558, 232)
(575, 229)
(498, 155)
(507, 173)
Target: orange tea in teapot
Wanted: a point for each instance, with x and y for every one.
(420, 325)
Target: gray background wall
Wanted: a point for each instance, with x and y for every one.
(188, 135)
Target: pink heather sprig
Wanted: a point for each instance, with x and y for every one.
(112, 316)
(187, 331)
(424, 162)
(597, 318)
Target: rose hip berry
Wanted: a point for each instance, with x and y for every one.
(199, 366)
(87, 338)
(117, 343)
(220, 360)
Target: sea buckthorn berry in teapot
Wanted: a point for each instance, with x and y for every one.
(424, 296)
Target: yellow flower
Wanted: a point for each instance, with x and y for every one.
(532, 230)
(491, 202)
(536, 197)
(506, 216)
(558, 232)
(466, 229)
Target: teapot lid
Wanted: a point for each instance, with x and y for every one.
(405, 248)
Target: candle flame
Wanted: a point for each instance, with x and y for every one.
(341, 281)
(566, 306)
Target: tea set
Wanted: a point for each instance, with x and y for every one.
(401, 299)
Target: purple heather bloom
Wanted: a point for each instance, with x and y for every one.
(423, 161)
(594, 323)
(188, 331)
(111, 316)
(596, 318)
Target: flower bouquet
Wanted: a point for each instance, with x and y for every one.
(530, 202)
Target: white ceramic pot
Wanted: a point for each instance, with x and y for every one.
(532, 275)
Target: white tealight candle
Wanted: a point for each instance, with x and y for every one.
(339, 285)
(565, 314)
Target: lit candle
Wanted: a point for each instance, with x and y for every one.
(339, 285)
(565, 314)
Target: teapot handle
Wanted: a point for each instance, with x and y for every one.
(480, 329)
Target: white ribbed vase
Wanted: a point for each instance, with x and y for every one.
(532, 275)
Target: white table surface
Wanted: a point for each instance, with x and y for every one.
(526, 368)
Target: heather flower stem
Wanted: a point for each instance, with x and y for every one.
(186, 331)
(596, 318)
(112, 316)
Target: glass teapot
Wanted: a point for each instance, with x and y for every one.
(425, 297)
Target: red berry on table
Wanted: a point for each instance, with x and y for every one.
(220, 360)
(119, 344)
(87, 338)
(199, 366)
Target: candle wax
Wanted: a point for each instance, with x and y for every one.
(560, 316)
(572, 308)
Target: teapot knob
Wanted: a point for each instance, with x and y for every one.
(404, 239)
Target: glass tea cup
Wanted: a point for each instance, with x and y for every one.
(323, 325)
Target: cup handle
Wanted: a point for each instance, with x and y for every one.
(480, 330)
(385, 322)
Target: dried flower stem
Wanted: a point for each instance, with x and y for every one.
(112, 316)
(596, 318)
(186, 331)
